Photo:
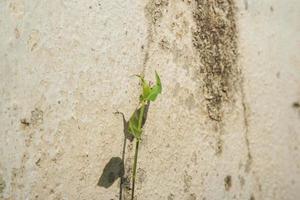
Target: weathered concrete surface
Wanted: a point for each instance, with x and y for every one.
(226, 126)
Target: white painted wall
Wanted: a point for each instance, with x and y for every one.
(67, 66)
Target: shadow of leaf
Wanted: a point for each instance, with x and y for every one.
(111, 172)
(115, 167)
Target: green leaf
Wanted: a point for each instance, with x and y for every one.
(155, 90)
(146, 89)
(133, 124)
(150, 93)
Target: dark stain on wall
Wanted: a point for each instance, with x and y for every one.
(296, 105)
(227, 183)
(215, 40)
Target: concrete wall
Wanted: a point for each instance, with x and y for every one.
(226, 126)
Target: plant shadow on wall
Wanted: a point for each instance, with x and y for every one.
(133, 129)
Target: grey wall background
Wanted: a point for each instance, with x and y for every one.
(226, 126)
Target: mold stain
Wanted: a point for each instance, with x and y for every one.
(215, 40)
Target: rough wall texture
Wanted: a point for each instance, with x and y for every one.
(226, 126)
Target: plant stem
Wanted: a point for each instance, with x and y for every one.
(134, 167)
(141, 117)
(137, 148)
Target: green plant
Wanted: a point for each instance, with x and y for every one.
(137, 120)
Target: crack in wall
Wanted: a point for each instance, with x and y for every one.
(246, 132)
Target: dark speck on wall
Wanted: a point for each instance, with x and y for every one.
(296, 105)
(227, 182)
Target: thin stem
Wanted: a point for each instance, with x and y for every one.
(137, 148)
(134, 167)
(141, 117)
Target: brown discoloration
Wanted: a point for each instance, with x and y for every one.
(25, 122)
(215, 40)
(227, 183)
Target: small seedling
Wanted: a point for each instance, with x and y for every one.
(137, 119)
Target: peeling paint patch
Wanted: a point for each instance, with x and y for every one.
(215, 40)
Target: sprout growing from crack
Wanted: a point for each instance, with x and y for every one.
(137, 119)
